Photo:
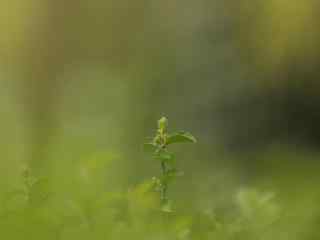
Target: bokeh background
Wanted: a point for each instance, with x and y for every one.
(82, 84)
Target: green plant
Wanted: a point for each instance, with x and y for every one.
(159, 148)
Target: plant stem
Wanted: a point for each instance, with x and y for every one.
(164, 184)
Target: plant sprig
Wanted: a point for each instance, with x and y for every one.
(159, 148)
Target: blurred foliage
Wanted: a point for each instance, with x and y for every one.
(82, 82)
(82, 205)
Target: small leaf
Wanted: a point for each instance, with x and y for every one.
(175, 173)
(169, 177)
(180, 137)
(166, 156)
(150, 147)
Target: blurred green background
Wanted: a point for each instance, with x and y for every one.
(82, 84)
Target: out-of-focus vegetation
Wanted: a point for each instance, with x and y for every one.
(82, 83)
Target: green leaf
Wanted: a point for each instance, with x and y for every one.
(175, 173)
(166, 156)
(180, 137)
(171, 175)
(150, 147)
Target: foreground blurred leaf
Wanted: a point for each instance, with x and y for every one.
(39, 192)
